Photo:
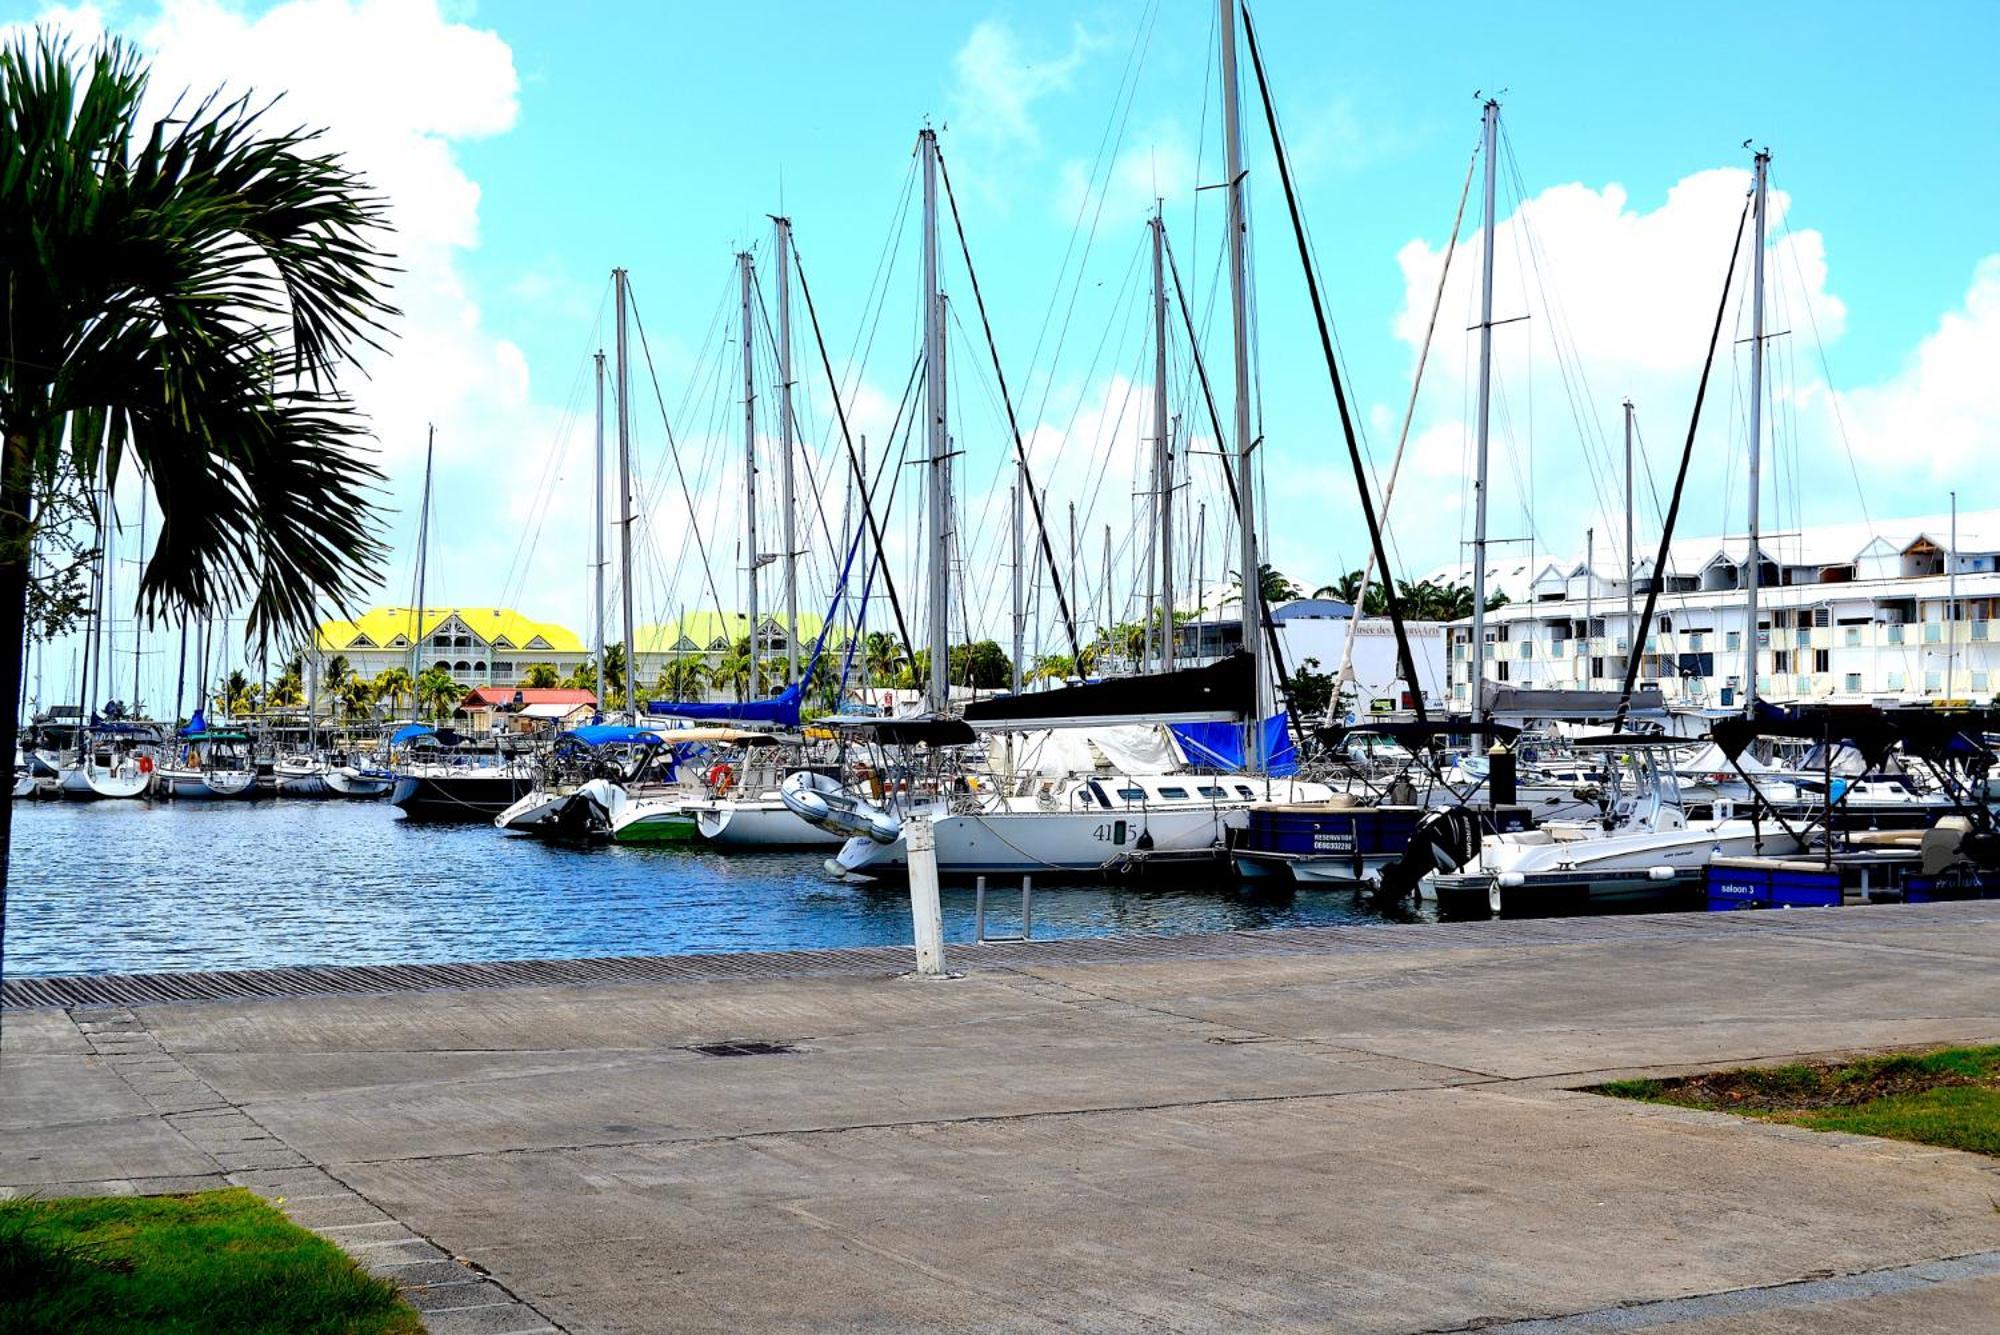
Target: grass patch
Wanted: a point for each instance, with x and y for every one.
(182, 1265)
(1948, 1097)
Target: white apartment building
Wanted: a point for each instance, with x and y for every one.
(1895, 611)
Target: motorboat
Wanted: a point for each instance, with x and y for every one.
(301, 774)
(1642, 849)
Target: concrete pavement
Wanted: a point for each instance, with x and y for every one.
(1267, 1131)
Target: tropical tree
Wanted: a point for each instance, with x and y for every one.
(543, 676)
(336, 673)
(882, 654)
(982, 664)
(614, 670)
(395, 685)
(732, 671)
(238, 694)
(682, 678)
(179, 298)
(1051, 667)
(354, 696)
(439, 692)
(286, 692)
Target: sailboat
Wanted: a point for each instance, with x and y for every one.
(1645, 844)
(211, 765)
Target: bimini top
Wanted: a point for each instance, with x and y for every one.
(910, 731)
(1421, 734)
(1874, 732)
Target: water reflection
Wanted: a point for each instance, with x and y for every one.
(131, 887)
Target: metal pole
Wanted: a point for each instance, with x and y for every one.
(625, 494)
(937, 493)
(1104, 598)
(1630, 567)
(1072, 549)
(752, 558)
(1951, 605)
(1492, 116)
(788, 524)
(597, 525)
(1239, 315)
(1020, 623)
(1163, 449)
(1761, 165)
(1589, 595)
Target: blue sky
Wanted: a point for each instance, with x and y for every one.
(529, 147)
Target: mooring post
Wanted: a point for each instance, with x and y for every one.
(1027, 907)
(926, 916)
(979, 910)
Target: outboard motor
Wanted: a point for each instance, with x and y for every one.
(1443, 841)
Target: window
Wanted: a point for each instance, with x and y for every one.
(1132, 794)
(1896, 633)
(1933, 632)
(1979, 629)
(1895, 681)
(1933, 681)
(1852, 637)
(1173, 794)
(1211, 791)
(1781, 660)
(1822, 660)
(1733, 642)
(1666, 625)
(1500, 671)
(1245, 790)
(1979, 681)
(1803, 638)
(1852, 683)
(1822, 616)
(1596, 667)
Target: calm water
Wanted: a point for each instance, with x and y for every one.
(129, 887)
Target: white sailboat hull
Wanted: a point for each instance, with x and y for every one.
(87, 782)
(759, 822)
(208, 784)
(1027, 842)
(1607, 869)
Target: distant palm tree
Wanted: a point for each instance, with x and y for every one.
(682, 678)
(238, 694)
(395, 685)
(179, 297)
(541, 676)
(355, 696)
(1052, 667)
(732, 673)
(285, 692)
(882, 654)
(439, 693)
(338, 670)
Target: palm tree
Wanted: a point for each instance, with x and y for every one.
(682, 679)
(1052, 667)
(883, 655)
(614, 671)
(354, 696)
(394, 684)
(732, 673)
(438, 692)
(238, 694)
(337, 672)
(541, 676)
(285, 692)
(179, 298)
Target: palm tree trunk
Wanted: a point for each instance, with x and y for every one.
(16, 496)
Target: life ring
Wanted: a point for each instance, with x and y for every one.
(145, 764)
(722, 778)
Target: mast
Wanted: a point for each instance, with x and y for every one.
(937, 492)
(137, 563)
(788, 522)
(624, 387)
(1485, 414)
(1761, 166)
(1951, 605)
(423, 555)
(597, 528)
(1631, 629)
(1163, 449)
(1589, 597)
(1020, 624)
(752, 559)
(1239, 319)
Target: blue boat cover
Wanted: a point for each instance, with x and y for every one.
(196, 724)
(612, 734)
(1220, 745)
(782, 709)
(409, 731)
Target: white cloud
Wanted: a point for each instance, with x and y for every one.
(998, 83)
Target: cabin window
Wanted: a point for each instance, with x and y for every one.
(1132, 794)
(1173, 794)
(1245, 790)
(1211, 791)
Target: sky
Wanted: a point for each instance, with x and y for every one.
(525, 149)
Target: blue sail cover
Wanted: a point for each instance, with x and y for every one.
(781, 710)
(612, 734)
(1220, 745)
(197, 723)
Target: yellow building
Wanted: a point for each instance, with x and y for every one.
(479, 646)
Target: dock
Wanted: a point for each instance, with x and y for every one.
(1369, 1128)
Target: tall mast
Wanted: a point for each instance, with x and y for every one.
(1589, 598)
(137, 564)
(1239, 318)
(752, 558)
(1019, 608)
(597, 527)
(788, 522)
(937, 493)
(1951, 605)
(1163, 452)
(1762, 165)
(423, 555)
(1630, 628)
(1485, 413)
(624, 384)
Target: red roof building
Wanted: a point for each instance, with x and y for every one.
(527, 708)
